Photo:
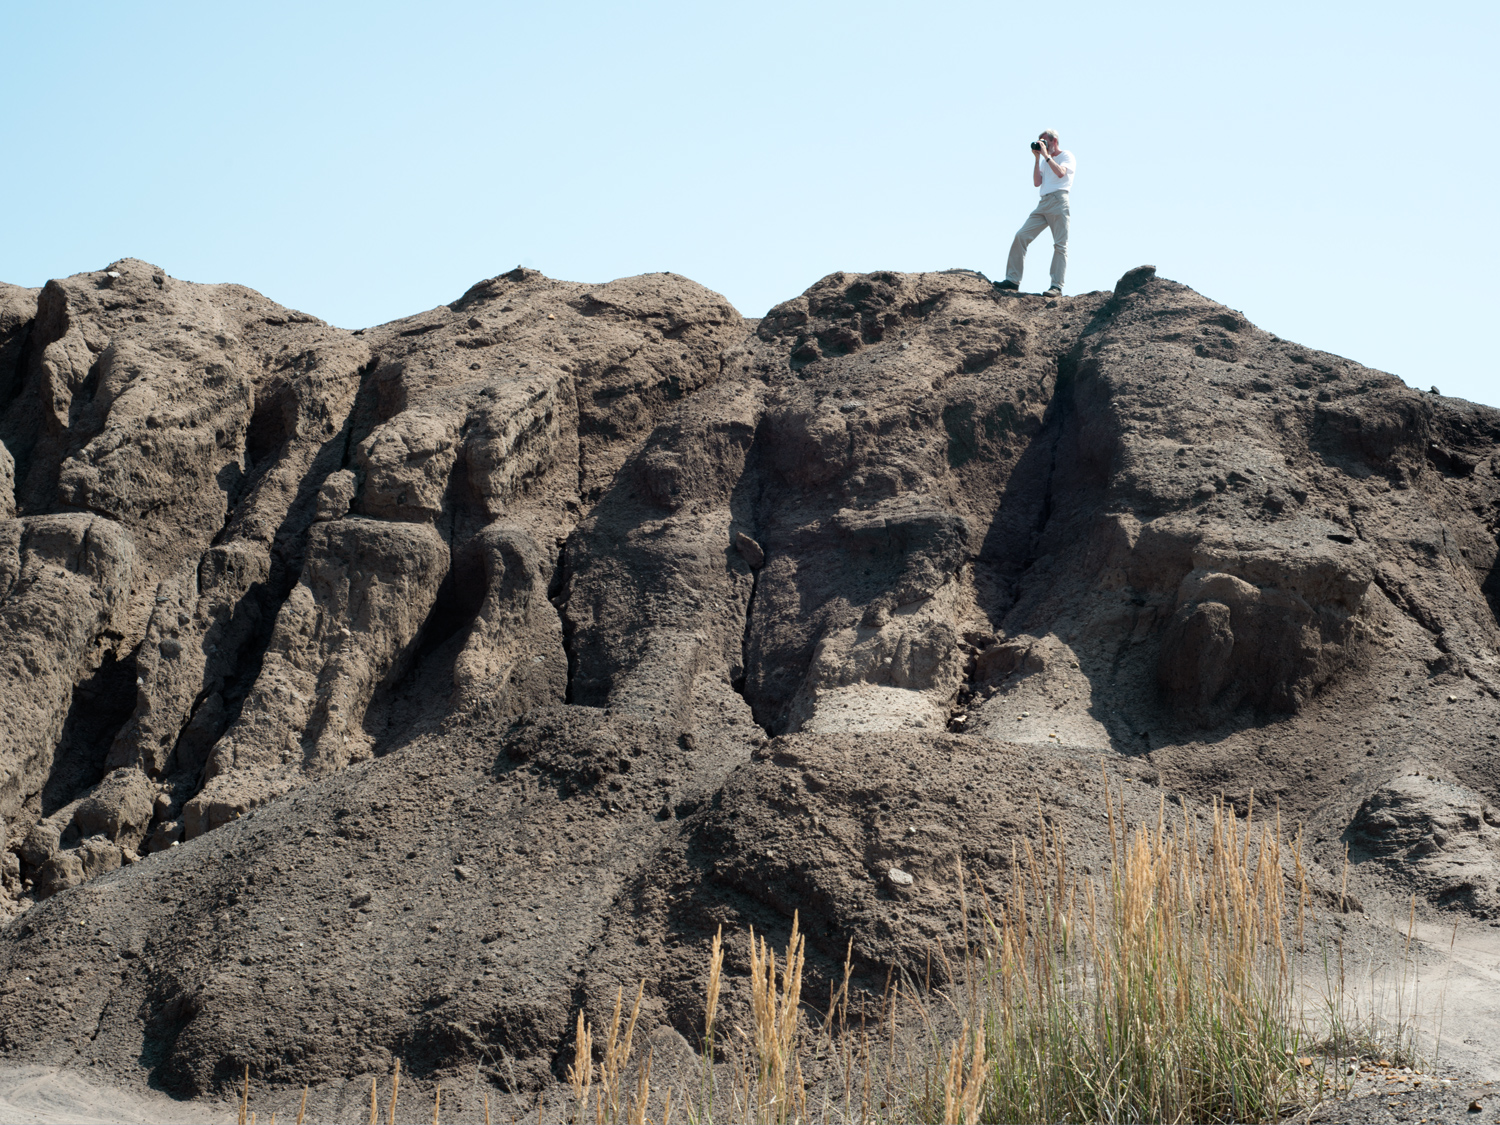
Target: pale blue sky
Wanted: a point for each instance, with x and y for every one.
(1329, 169)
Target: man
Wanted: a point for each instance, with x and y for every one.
(1052, 172)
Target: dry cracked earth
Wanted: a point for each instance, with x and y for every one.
(399, 693)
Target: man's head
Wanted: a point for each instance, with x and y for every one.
(1048, 137)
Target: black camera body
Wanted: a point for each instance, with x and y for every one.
(1036, 146)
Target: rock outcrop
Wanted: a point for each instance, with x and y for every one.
(397, 692)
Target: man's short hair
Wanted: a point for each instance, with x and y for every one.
(1048, 133)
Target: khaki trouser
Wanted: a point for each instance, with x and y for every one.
(1051, 211)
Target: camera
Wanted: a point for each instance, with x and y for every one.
(1036, 146)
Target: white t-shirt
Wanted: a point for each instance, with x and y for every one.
(1052, 182)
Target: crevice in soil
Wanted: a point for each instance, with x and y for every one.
(19, 345)
(271, 441)
(1491, 591)
(745, 504)
(417, 690)
(738, 683)
(1007, 588)
(102, 704)
(1060, 413)
(576, 378)
(271, 429)
(557, 594)
(1406, 605)
(415, 693)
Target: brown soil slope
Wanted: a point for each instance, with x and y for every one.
(400, 692)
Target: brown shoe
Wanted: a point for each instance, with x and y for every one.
(1053, 292)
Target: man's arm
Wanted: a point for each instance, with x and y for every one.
(1057, 170)
(1036, 169)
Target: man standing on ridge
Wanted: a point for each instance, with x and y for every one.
(1053, 174)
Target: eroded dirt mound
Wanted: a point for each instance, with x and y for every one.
(397, 693)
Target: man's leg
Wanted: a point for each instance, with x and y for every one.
(1035, 223)
(1057, 218)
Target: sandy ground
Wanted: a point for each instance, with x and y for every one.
(1450, 989)
(1464, 985)
(45, 1095)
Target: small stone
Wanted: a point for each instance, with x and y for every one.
(911, 830)
(749, 550)
(1453, 699)
(465, 873)
(1131, 280)
(335, 496)
(1427, 845)
(899, 878)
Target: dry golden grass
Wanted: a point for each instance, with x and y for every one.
(1164, 994)
(776, 1011)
